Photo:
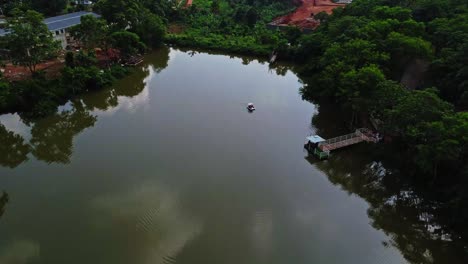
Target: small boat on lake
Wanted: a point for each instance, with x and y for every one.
(250, 107)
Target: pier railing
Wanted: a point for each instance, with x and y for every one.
(360, 135)
(367, 135)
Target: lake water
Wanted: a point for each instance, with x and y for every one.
(167, 166)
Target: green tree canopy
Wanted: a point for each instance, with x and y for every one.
(49, 7)
(91, 32)
(128, 43)
(150, 28)
(29, 40)
(121, 14)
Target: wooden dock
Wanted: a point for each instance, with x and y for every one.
(322, 148)
(134, 61)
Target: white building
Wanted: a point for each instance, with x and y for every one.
(59, 25)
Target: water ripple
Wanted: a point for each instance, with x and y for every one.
(162, 226)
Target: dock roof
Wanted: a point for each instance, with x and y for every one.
(315, 139)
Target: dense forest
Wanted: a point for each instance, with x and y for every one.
(398, 65)
(359, 58)
(46, 7)
(234, 26)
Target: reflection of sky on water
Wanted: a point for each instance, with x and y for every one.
(150, 215)
(13, 123)
(262, 232)
(264, 94)
(156, 216)
(132, 104)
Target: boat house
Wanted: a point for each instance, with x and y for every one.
(322, 147)
(59, 25)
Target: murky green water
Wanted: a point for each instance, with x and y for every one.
(168, 166)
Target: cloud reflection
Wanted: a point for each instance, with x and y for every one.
(160, 223)
(20, 252)
(131, 103)
(262, 232)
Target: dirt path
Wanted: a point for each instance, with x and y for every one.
(303, 15)
(17, 73)
(53, 68)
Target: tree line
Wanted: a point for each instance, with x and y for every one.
(46, 7)
(131, 29)
(234, 26)
(359, 58)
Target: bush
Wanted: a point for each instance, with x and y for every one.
(128, 43)
(70, 59)
(85, 59)
(4, 95)
(118, 71)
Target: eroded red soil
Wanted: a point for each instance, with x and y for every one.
(303, 16)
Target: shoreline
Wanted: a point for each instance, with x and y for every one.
(20, 108)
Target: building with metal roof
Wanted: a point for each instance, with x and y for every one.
(66, 21)
(58, 25)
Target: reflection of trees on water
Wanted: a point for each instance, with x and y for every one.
(130, 86)
(13, 148)
(134, 84)
(280, 69)
(52, 137)
(100, 100)
(159, 59)
(330, 122)
(412, 223)
(4, 199)
(246, 60)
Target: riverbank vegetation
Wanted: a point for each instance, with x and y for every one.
(232, 26)
(39, 96)
(361, 57)
(128, 28)
(46, 7)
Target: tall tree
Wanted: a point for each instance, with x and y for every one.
(150, 28)
(4, 94)
(121, 14)
(128, 43)
(30, 41)
(49, 7)
(7, 6)
(134, 16)
(91, 32)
